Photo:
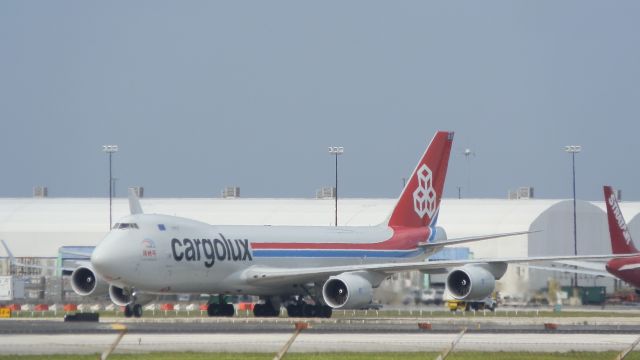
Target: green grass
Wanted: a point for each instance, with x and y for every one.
(338, 356)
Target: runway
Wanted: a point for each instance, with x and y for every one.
(21, 336)
(312, 342)
(322, 326)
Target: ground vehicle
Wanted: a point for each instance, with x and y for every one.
(432, 296)
(487, 304)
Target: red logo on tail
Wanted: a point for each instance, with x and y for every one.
(419, 202)
(621, 242)
(424, 197)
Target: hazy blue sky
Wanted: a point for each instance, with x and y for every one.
(204, 94)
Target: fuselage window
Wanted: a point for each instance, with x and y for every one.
(126, 226)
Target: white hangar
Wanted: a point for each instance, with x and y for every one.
(35, 228)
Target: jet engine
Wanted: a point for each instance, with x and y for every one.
(347, 291)
(85, 282)
(122, 297)
(470, 283)
(119, 296)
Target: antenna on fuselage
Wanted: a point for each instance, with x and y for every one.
(134, 202)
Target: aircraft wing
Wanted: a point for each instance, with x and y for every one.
(463, 240)
(264, 275)
(573, 271)
(591, 265)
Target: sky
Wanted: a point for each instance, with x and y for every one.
(199, 95)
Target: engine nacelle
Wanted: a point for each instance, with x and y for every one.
(119, 296)
(347, 291)
(470, 283)
(122, 297)
(85, 282)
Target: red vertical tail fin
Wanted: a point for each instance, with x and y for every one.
(419, 202)
(621, 242)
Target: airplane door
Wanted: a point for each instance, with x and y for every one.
(168, 264)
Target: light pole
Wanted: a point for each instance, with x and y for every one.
(336, 150)
(110, 149)
(573, 149)
(467, 154)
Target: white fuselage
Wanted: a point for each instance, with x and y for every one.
(167, 254)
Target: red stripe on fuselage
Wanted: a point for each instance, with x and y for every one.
(402, 239)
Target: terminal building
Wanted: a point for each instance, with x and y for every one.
(37, 228)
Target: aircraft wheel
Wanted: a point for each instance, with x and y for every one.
(310, 310)
(212, 310)
(326, 312)
(228, 310)
(137, 310)
(265, 310)
(294, 310)
(128, 312)
(258, 310)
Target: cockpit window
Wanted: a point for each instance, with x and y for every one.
(125, 226)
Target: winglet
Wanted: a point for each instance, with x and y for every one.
(134, 202)
(14, 262)
(621, 242)
(6, 248)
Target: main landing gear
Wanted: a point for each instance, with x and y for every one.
(268, 309)
(302, 309)
(221, 308)
(298, 307)
(134, 310)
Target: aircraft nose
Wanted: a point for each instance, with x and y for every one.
(105, 259)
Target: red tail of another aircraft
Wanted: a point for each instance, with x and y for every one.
(621, 242)
(420, 200)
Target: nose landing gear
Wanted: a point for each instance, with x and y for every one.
(220, 308)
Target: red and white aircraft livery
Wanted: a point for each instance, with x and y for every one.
(309, 270)
(626, 269)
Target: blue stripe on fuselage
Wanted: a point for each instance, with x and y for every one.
(338, 253)
(433, 228)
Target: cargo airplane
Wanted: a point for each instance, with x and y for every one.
(626, 269)
(308, 270)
